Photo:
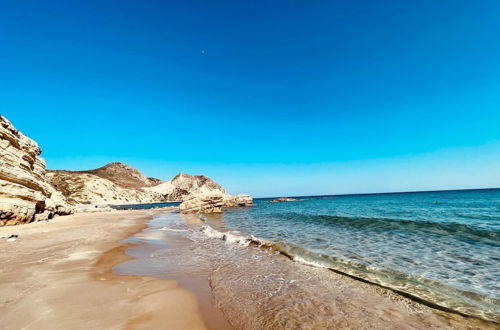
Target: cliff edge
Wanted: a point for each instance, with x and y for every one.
(25, 194)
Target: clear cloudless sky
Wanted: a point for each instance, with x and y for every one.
(266, 97)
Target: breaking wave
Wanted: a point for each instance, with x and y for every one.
(425, 291)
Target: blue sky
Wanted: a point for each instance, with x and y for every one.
(267, 97)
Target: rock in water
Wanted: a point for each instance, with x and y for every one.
(241, 200)
(25, 194)
(202, 203)
(283, 199)
(214, 202)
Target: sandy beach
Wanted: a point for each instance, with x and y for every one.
(57, 275)
(250, 165)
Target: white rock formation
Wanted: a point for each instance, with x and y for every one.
(204, 203)
(118, 183)
(30, 193)
(165, 188)
(241, 200)
(214, 202)
(84, 188)
(123, 175)
(184, 186)
(25, 195)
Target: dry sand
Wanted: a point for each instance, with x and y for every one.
(57, 275)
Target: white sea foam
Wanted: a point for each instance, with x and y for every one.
(229, 237)
(308, 262)
(237, 239)
(212, 233)
(172, 229)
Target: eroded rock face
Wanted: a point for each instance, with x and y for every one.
(118, 183)
(82, 188)
(214, 202)
(30, 193)
(25, 195)
(185, 186)
(241, 200)
(204, 203)
(124, 176)
(85, 188)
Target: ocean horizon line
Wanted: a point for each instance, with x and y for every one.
(382, 193)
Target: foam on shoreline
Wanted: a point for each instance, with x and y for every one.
(423, 291)
(254, 285)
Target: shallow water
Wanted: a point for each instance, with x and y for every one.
(440, 247)
(144, 206)
(256, 287)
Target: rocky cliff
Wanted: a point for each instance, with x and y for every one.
(25, 194)
(28, 192)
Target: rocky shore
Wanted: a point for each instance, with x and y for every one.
(25, 193)
(29, 192)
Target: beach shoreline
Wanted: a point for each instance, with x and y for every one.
(61, 274)
(58, 275)
(257, 288)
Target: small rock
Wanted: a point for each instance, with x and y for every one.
(283, 199)
(12, 238)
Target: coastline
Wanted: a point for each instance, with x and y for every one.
(63, 274)
(257, 288)
(57, 275)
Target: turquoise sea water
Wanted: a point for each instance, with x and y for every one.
(442, 248)
(144, 206)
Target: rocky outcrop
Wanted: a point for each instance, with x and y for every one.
(118, 183)
(214, 202)
(283, 199)
(25, 195)
(109, 187)
(30, 193)
(204, 203)
(241, 200)
(184, 186)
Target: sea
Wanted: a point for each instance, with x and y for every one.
(441, 249)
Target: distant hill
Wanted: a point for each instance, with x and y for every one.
(122, 175)
(118, 183)
(29, 192)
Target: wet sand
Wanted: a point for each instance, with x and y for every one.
(255, 288)
(57, 275)
(63, 274)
